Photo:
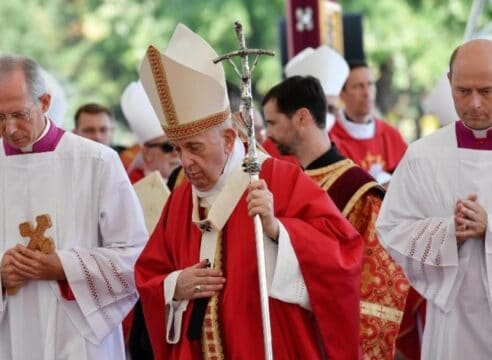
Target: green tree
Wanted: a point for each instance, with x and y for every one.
(409, 43)
(94, 47)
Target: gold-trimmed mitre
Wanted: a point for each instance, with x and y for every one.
(186, 89)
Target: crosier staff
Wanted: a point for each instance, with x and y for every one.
(252, 167)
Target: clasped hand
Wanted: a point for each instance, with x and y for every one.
(20, 264)
(470, 219)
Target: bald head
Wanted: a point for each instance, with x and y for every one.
(470, 76)
(474, 48)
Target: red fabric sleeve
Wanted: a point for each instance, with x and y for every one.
(65, 290)
(329, 251)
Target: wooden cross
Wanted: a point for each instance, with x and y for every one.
(37, 239)
(37, 242)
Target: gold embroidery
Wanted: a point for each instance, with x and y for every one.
(358, 194)
(331, 173)
(383, 284)
(381, 311)
(178, 132)
(328, 169)
(162, 85)
(211, 340)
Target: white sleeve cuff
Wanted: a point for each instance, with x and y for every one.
(288, 284)
(174, 308)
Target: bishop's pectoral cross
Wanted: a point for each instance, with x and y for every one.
(37, 242)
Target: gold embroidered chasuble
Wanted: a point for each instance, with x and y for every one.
(384, 286)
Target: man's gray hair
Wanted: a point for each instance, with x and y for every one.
(31, 70)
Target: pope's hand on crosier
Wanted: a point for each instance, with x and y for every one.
(198, 281)
(260, 202)
(470, 219)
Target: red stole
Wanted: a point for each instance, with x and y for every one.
(329, 253)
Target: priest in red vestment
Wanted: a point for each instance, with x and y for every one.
(359, 135)
(198, 276)
(377, 147)
(295, 113)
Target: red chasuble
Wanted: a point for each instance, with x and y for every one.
(329, 251)
(384, 286)
(385, 147)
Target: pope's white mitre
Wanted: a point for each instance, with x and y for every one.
(186, 89)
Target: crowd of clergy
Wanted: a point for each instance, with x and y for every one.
(325, 238)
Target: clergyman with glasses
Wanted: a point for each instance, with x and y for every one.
(68, 303)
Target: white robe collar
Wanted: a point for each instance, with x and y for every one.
(478, 134)
(357, 130)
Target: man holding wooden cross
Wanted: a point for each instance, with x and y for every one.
(71, 230)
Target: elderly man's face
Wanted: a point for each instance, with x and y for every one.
(203, 156)
(21, 117)
(471, 84)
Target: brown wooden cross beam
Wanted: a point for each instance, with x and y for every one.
(37, 242)
(37, 239)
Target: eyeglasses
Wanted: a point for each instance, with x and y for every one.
(166, 146)
(17, 116)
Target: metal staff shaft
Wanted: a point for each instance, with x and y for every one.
(253, 168)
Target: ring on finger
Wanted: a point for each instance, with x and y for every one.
(198, 288)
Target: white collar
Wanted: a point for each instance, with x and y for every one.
(47, 127)
(357, 130)
(208, 197)
(478, 134)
